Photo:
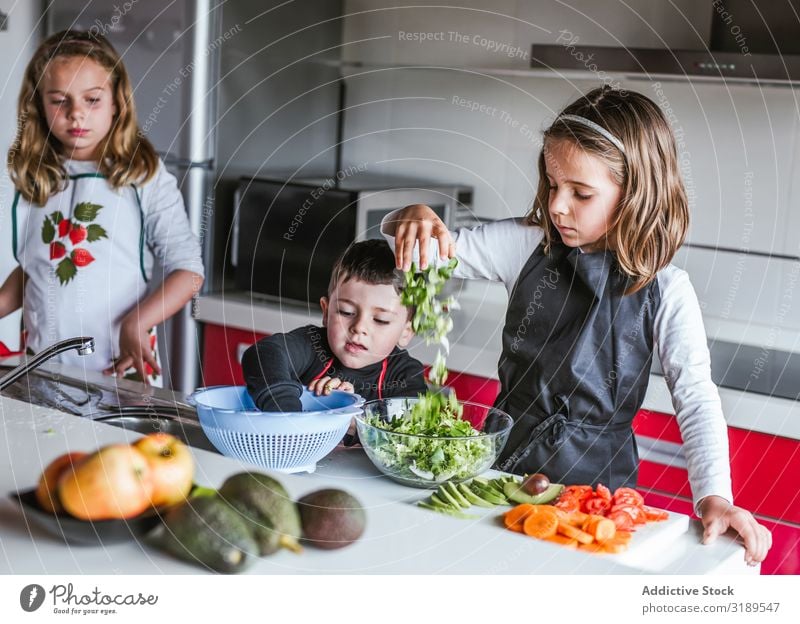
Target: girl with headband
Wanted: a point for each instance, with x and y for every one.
(592, 298)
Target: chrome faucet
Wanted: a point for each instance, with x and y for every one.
(84, 345)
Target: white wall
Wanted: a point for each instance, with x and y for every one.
(17, 44)
(738, 143)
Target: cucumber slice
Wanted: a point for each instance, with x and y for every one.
(472, 497)
(456, 493)
(515, 493)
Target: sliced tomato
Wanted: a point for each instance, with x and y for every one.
(568, 504)
(625, 492)
(621, 520)
(581, 491)
(654, 515)
(634, 511)
(603, 492)
(596, 505)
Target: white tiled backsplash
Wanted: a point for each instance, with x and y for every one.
(738, 143)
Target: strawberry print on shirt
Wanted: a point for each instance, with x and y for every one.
(68, 239)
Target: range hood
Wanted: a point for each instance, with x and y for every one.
(750, 40)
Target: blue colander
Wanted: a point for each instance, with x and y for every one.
(283, 441)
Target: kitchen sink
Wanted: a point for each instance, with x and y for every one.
(148, 421)
(120, 403)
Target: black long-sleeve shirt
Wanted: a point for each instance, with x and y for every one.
(277, 368)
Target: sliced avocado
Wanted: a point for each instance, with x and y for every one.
(438, 502)
(207, 531)
(472, 497)
(518, 495)
(456, 493)
(488, 494)
(445, 495)
(446, 511)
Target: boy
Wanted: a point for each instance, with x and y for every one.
(359, 350)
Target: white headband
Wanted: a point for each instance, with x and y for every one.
(596, 127)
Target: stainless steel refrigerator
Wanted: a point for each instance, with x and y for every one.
(223, 88)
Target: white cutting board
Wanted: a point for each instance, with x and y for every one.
(650, 544)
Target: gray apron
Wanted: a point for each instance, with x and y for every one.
(574, 368)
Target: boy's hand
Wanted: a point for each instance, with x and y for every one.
(134, 350)
(325, 385)
(718, 515)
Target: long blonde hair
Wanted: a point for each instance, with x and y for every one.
(651, 220)
(35, 160)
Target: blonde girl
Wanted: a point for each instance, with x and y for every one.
(592, 295)
(94, 205)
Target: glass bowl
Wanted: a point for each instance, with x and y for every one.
(427, 461)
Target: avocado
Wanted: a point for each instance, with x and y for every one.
(514, 492)
(207, 531)
(331, 518)
(266, 508)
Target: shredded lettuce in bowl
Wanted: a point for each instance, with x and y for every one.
(438, 444)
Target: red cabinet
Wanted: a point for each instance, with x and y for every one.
(223, 348)
(472, 388)
(765, 482)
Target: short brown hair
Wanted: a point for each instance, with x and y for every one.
(653, 216)
(370, 261)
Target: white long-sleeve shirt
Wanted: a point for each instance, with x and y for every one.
(498, 251)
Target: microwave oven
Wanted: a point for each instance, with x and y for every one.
(287, 235)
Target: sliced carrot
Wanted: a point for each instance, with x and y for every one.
(562, 540)
(516, 515)
(543, 523)
(614, 545)
(624, 536)
(600, 528)
(574, 533)
(594, 547)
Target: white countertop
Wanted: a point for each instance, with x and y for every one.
(400, 538)
(475, 349)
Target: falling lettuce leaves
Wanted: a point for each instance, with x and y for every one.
(431, 319)
(444, 446)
